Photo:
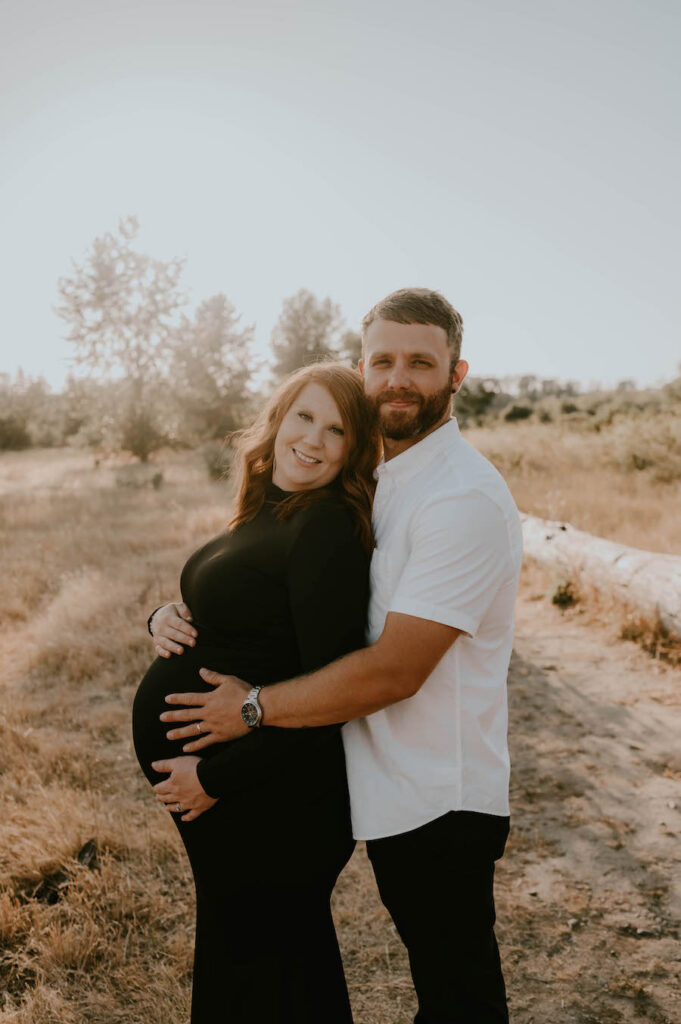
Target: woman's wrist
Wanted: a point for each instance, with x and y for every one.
(151, 617)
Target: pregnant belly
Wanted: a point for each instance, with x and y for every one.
(179, 674)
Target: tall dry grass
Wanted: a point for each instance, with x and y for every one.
(83, 561)
(622, 482)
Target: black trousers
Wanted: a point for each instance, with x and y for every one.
(437, 884)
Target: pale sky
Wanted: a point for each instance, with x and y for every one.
(523, 158)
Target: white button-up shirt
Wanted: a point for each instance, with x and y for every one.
(448, 549)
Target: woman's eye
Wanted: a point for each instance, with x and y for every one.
(338, 430)
(304, 416)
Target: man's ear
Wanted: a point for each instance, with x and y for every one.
(360, 366)
(458, 374)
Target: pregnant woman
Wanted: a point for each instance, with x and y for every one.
(265, 818)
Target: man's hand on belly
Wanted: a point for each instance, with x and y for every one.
(182, 791)
(215, 717)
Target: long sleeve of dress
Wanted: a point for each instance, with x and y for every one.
(328, 586)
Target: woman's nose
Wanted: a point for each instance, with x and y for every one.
(315, 435)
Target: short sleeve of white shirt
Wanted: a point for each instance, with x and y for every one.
(459, 559)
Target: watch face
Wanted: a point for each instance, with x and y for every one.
(249, 714)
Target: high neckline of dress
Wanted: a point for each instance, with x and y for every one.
(274, 493)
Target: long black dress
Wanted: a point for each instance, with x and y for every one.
(270, 600)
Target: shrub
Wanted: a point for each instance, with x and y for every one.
(217, 456)
(648, 444)
(13, 434)
(517, 412)
(564, 596)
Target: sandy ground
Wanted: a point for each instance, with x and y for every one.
(590, 888)
(589, 891)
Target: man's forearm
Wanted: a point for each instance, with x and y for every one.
(354, 686)
(365, 681)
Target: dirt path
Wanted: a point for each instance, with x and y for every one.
(590, 889)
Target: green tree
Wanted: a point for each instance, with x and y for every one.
(351, 347)
(120, 306)
(473, 401)
(307, 331)
(212, 366)
(29, 413)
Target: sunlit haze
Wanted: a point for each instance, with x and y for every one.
(522, 158)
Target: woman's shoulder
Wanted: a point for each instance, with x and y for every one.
(328, 513)
(327, 522)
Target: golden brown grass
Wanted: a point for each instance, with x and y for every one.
(565, 472)
(83, 562)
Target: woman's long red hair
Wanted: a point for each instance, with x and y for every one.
(354, 486)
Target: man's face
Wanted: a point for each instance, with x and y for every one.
(407, 374)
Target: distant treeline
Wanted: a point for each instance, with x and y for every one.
(488, 400)
(148, 376)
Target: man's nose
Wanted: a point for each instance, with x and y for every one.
(399, 377)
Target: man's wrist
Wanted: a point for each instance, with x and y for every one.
(251, 709)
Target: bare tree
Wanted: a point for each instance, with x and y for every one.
(120, 306)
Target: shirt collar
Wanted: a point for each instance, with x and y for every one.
(413, 459)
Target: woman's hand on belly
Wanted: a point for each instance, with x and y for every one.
(171, 627)
(181, 792)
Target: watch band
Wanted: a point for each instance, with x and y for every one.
(251, 710)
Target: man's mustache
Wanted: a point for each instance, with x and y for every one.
(398, 396)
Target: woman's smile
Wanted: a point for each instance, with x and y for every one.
(305, 459)
(310, 448)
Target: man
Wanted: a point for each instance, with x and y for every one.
(425, 702)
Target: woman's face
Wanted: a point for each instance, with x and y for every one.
(310, 448)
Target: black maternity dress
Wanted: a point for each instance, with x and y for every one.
(270, 600)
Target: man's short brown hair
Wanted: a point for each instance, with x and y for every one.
(419, 306)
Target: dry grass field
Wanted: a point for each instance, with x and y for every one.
(558, 471)
(586, 897)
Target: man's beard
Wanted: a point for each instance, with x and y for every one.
(406, 424)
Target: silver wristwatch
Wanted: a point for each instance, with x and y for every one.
(251, 712)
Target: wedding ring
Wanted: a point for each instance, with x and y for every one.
(179, 808)
(198, 727)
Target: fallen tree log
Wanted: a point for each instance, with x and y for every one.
(648, 583)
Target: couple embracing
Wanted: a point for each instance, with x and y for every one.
(344, 649)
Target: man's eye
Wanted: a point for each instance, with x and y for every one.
(381, 362)
(422, 362)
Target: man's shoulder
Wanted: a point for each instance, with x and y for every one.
(462, 479)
